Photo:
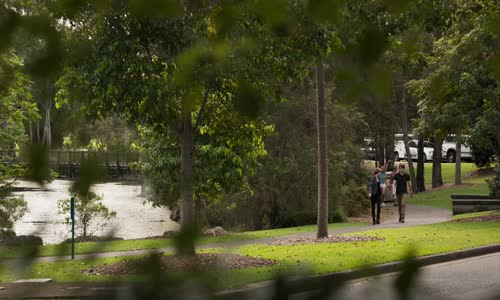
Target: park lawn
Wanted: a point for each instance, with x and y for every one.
(313, 258)
(329, 258)
(476, 214)
(442, 197)
(127, 245)
(447, 171)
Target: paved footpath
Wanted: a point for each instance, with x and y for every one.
(415, 215)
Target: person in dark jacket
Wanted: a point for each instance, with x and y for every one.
(401, 186)
(374, 193)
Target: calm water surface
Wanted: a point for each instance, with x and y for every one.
(134, 218)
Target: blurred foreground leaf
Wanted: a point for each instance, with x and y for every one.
(37, 156)
(90, 173)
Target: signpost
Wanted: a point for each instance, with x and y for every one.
(73, 227)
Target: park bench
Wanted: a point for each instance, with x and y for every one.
(473, 203)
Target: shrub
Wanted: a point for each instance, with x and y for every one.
(308, 217)
(355, 201)
(217, 215)
(336, 216)
(90, 214)
(12, 209)
(494, 183)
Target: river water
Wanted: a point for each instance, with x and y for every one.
(135, 218)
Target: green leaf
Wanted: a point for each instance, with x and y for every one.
(248, 100)
(372, 45)
(156, 8)
(38, 162)
(90, 173)
(324, 10)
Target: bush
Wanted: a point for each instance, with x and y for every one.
(336, 216)
(12, 209)
(307, 217)
(354, 200)
(22, 240)
(221, 213)
(90, 214)
(494, 183)
(482, 157)
(6, 234)
(216, 215)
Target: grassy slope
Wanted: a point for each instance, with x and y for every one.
(95, 247)
(317, 258)
(326, 258)
(447, 171)
(442, 197)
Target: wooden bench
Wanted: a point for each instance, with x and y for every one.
(463, 204)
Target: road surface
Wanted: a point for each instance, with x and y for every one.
(471, 279)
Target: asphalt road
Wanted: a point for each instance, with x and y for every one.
(471, 279)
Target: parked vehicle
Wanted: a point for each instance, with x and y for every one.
(450, 152)
(400, 150)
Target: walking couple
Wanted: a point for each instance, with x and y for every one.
(377, 187)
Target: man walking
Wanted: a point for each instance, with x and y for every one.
(400, 187)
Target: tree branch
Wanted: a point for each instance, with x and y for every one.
(201, 113)
(145, 46)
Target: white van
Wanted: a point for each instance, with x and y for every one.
(400, 150)
(450, 149)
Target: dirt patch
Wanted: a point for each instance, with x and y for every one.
(200, 262)
(495, 217)
(330, 239)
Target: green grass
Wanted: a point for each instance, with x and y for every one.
(327, 258)
(315, 258)
(442, 197)
(126, 245)
(476, 214)
(447, 171)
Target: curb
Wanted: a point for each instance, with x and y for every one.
(317, 282)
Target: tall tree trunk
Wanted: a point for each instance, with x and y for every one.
(458, 161)
(322, 155)
(389, 146)
(38, 131)
(404, 125)
(437, 179)
(31, 131)
(187, 155)
(47, 136)
(420, 166)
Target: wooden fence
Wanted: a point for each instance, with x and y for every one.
(67, 163)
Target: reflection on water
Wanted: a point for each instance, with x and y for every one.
(133, 218)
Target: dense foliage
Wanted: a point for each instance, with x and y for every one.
(16, 108)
